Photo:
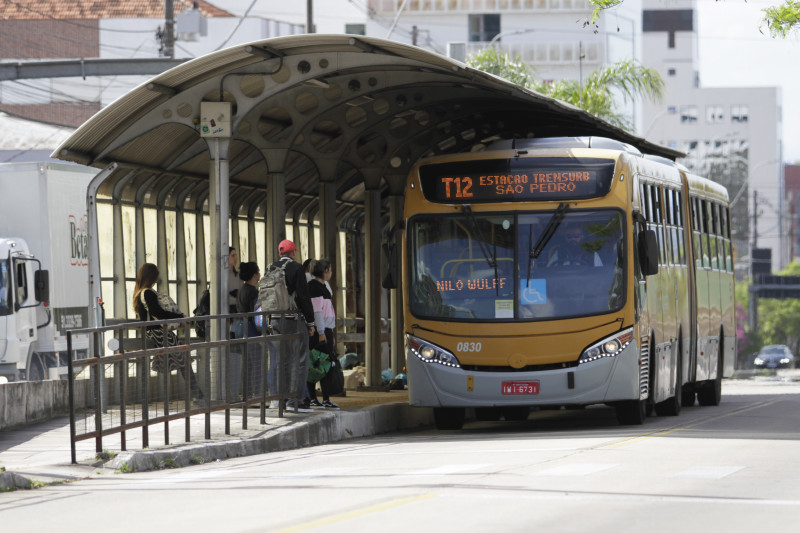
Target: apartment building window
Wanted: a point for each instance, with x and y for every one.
(483, 28)
(714, 114)
(688, 114)
(739, 113)
(671, 72)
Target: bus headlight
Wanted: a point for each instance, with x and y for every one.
(430, 353)
(608, 347)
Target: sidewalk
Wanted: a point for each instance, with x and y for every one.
(40, 453)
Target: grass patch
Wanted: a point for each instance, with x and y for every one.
(105, 455)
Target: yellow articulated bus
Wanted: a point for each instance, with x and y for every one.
(565, 272)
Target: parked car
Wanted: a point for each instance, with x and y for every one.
(774, 356)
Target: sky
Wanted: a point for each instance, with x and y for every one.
(733, 53)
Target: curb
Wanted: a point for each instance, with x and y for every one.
(323, 428)
(12, 481)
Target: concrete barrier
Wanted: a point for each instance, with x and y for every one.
(28, 402)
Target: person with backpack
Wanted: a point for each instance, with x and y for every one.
(285, 277)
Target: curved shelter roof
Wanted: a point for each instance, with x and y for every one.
(349, 110)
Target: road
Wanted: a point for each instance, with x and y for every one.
(732, 468)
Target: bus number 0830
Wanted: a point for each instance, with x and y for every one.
(468, 347)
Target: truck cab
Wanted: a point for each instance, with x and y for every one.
(24, 292)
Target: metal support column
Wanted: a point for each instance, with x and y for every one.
(218, 207)
(275, 215)
(396, 295)
(372, 285)
(327, 222)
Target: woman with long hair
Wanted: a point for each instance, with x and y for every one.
(147, 307)
(325, 318)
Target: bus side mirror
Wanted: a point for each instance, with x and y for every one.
(41, 282)
(648, 253)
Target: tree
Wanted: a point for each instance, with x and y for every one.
(779, 320)
(595, 94)
(779, 20)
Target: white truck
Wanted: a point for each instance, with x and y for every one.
(43, 267)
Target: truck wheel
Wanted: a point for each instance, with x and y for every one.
(36, 368)
(448, 417)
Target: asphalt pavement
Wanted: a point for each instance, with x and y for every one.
(40, 453)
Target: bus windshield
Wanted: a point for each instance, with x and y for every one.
(497, 267)
(5, 288)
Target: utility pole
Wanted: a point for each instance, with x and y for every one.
(753, 307)
(309, 16)
(754, 244)
(167, 35)
(414, 34)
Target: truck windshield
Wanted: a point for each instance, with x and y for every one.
(488, 266)
(5, 288)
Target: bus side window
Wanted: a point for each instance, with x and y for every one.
(668, 223)
(726, 236)
(697, 231)
(681, 224)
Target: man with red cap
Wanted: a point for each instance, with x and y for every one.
(298, 289)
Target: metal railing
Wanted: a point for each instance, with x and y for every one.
(127, 382)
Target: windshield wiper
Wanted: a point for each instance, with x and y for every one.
(535, 251)
(549, 231)
(490, 259)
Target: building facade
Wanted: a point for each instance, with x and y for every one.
(553, 36)
(731, 135)
(54, 29)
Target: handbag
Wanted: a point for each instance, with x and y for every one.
(156, 336)
(167, 303)
(318, 365)
(333, 382)
(173, 361)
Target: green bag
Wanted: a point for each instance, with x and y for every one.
(318, 365)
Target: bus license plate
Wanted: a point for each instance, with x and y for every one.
(520, 387)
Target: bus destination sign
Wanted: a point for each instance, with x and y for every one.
(530, 179)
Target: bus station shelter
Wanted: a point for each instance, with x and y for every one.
(308, 137)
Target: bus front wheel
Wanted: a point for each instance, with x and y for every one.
(632, 412)
(448, 417)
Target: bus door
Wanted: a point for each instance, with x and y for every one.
(703, 268)
(690, 250)
(717, 254)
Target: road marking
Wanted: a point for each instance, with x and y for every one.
(660, 433)
(708, 472)
(464, 451)
(355, 514)
(319, 472)
(445, 470)
(575, 470)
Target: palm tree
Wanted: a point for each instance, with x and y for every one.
(595, 94)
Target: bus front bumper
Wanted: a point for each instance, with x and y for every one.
(605, 380)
